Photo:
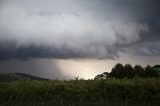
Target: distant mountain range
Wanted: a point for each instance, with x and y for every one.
(6, 77)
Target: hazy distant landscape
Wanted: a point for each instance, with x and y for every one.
(8, 77)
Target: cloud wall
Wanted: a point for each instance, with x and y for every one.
(35, 32)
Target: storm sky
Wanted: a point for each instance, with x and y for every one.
(66, 38)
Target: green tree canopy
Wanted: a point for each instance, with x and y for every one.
(127, 71)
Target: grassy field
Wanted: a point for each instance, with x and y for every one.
(110, 92)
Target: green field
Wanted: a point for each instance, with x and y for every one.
(110, 92)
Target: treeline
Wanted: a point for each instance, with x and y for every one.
(128, 71)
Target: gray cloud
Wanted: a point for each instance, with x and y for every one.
(149, 48)
(45, 33)
(70, 29)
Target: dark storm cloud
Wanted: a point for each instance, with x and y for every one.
(9, 51)
(145, 47)
(64, 29)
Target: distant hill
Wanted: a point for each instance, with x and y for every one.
(6, 77)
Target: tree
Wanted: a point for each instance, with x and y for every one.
(128, 71)
(100, 77)
(157, 66)
(151, 72)
(76, 78)
(139, 71)
(106, 74)
(117, 71)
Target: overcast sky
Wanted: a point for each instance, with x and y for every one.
(66, 38)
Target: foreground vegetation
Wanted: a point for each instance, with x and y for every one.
(74, 92)
(124, 85)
